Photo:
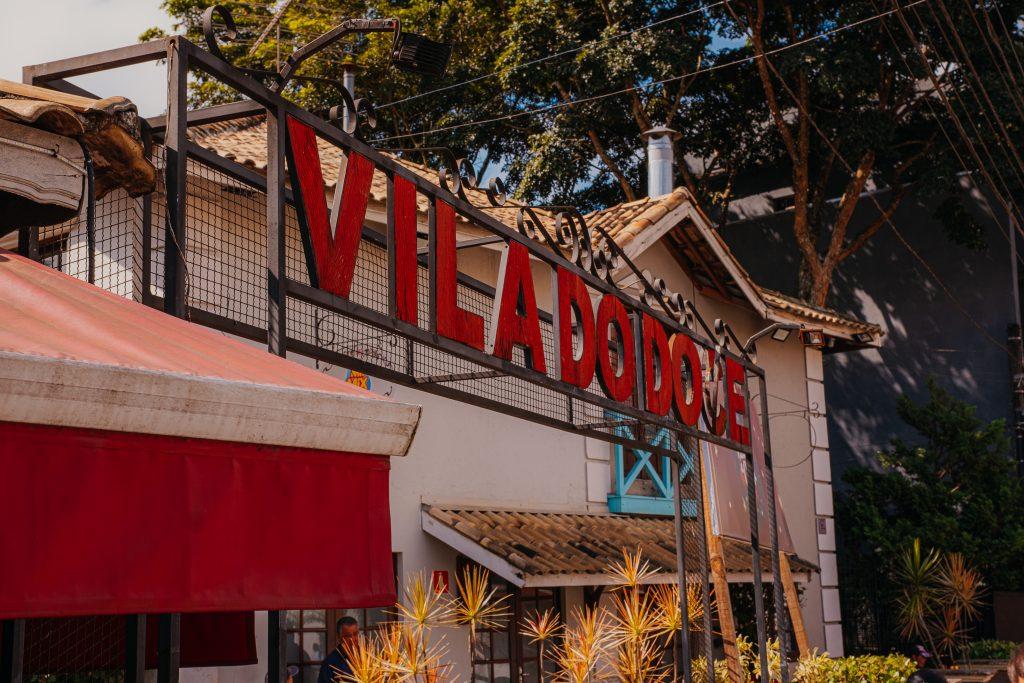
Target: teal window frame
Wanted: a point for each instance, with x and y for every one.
(659, 468)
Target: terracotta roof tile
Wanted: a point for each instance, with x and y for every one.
(548, 543)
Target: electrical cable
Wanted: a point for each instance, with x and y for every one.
(578, 48)
(926, 98)
(835, 150)
(972, 148)
(703, 70)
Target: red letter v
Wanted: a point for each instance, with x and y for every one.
(334, 252)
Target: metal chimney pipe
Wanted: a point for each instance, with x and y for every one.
(660, 161)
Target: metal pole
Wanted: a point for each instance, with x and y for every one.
(684, 631)
(275, 648)
(698, 472)
(168, 653)
(135, 648)
(755, 546)
(12, 651)
(175, 177)
(781, 616)
(1015, 283)
(276, 299)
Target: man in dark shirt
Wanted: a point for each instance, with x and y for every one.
(336, 663)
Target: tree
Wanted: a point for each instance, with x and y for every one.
(798, 89)
(955, 489)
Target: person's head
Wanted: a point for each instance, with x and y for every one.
(1016, 668)
(920, 656)
(348, 630)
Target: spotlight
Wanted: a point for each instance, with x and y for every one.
(781, 334)
(815, 338)
(421, 55)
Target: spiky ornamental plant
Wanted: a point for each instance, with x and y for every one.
(478, 604)
(669, 614)
(633, 571)
(917, 573)
(584, 645)
(541, 627)
(365, 662)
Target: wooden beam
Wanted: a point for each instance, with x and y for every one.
(796, 617)
(721, 583)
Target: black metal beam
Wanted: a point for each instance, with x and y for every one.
(135, 648)
(275, 648)
(215, 114)
(175, 178)
(12, 651)
(168, 652)
(348, 308)
(277, 317)
(96, 61)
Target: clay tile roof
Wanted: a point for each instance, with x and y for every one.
(624, 222)
(539, 544)
(245, 142)
(825, 316)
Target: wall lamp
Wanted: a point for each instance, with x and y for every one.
(778, 331)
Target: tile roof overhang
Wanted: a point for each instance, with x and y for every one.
(548, 548)
(635, 226)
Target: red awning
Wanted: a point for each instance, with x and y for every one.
(112, 505)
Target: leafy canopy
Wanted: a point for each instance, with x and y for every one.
(842, 113)
(955, 489)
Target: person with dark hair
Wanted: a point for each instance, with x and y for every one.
(336, 663)
(923, 675)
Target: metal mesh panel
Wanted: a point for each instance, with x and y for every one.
(117, 252)
(75, 649)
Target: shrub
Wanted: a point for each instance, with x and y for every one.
(866, 669)
(991, 649)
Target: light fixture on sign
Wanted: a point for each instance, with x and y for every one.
(781, 334)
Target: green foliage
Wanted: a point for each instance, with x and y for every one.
(868, 669)
(860, 87)
(955, 489)
(991, 649)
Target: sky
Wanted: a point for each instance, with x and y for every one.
(34, 31)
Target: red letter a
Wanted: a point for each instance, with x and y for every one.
(515, 321)
(334, 252)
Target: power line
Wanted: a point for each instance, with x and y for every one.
(578, 48)
(697, 72)
(945, 133)
(835, 150)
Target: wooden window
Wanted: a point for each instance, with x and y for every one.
(503, 655)
(310, 634)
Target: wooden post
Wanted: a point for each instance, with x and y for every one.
(685, 665)
(793, 603)
(718, 576)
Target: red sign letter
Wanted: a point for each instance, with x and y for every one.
(657, 380)
(570, 294)
(402, 243)
(617, 377)
(334, 252)
(515, 321)
(736, 374)
(447, 319)
(687, 379)
(714, 410)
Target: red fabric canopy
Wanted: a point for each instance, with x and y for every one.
(113, 523)
(110, 506)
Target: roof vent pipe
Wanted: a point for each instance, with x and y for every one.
(660, 162)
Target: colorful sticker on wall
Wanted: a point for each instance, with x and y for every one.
(359, 379)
